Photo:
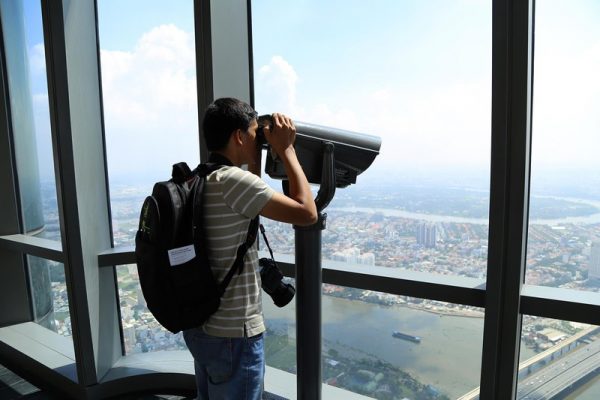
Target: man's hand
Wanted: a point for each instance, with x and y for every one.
(299, 208)
(283, 133)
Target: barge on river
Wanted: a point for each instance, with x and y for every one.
(400, 335)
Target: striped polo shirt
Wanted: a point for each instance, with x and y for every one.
(232, 198)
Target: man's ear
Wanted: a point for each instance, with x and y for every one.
(236, 136)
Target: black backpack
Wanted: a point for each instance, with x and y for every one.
(176, 279)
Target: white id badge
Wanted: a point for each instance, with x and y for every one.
(181, 255)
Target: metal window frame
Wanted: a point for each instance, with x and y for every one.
(91, 292)
(541, 301)
(503, 296)
(512, 80)
(107, 185)
(204, 67)
(58, 93)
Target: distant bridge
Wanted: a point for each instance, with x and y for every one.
(560, 374)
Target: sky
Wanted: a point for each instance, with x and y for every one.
(415, 73)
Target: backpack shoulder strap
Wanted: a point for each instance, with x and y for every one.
(205, 169)
(171, 207)
(202, 171)
(238, 263)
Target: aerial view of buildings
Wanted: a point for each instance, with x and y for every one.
(558, 255)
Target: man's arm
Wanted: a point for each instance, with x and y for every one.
(299, 208)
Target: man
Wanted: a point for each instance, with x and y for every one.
(228, 349)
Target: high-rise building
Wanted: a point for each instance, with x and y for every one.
(426, 235)
(353, 255)
(594, 266)
(366, 259)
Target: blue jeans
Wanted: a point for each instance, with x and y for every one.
(227, 368)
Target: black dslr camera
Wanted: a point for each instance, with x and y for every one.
(272, 282)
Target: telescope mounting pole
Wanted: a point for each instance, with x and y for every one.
(309, 287)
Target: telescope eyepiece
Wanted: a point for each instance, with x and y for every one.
(264, 121)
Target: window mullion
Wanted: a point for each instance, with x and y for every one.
(76, 116)
(512, 56)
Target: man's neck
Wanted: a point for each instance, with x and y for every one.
(229, 156)
(219, 158)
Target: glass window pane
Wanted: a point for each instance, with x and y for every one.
(361, 354)
(150, 107)
(32, 145)
(417, 74)
(280, 341)
(559, 359)
(392, 346)
(563, 248)
(141, 332)
(29, 113)
(49, 295)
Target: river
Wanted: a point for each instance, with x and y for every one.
(448, 357)
(588, 219)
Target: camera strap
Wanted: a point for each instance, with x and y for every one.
(238, 264)
(262, 231)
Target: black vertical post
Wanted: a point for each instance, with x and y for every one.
(512, 84)
(308, 309)
(204, 71)
(309, 280)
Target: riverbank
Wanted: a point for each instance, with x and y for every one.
(351, 369)
(447, 312)
(390, 300)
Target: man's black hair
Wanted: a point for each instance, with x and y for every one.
(222, 118)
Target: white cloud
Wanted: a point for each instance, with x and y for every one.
(566, 122)
(150, 98)
(276, 91)
(342, 118)
(150, 104)
(449, 125)
(445, 127)
(277, 83)
(566, 104)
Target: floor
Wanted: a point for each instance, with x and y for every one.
(14, 387)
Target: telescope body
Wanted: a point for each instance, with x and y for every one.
(353, 153)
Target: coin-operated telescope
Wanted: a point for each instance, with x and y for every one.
(353, 152)
(331, 158)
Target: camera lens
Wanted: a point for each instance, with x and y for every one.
(284, 295)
